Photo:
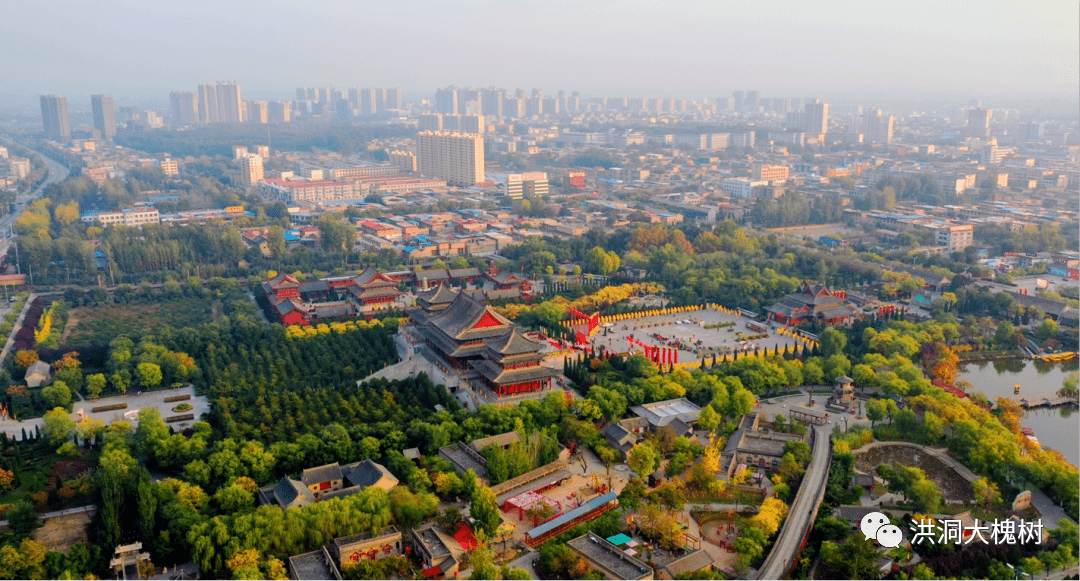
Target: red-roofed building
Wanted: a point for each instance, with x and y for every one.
(482, 345)
(380, 229)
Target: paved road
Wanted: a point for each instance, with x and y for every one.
(10, 342)
(803, 510)
(65, 512)
(14, 428)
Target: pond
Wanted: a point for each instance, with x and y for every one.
(1056, 428)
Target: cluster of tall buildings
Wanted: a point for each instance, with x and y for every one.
(57, 122)
(224, 103)
(496, 102)
(344, 104)
(814, 118)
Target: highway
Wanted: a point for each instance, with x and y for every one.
(56, 173)
(803, 510)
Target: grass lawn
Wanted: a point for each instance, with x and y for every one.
(103, 323)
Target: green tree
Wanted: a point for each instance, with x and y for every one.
(709, 419)
(832, 342)
(149, 375)
(95, 385)
(643, 459)
(275, 240)
(147, 505)
(1047, 329)
(986, 492)
(56, 395)
(875, 411)
(600, 261)
(412, 509)
(925, 495)
(485, 510)
(233, 498)
(334, 233)
(151, 433)
(853, 559)
(57, 426)
(22, 519)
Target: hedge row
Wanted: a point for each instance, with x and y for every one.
(177, 398)
(109, 408)
(180, 418)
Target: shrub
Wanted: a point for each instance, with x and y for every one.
(109, 408)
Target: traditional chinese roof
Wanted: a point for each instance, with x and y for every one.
(499, 376)
(314, 286)
(619, 436)
(291, 493)
(513, 343)
(372, 277)
(440, 296)
(506, 277)
(283, 281)
(286, 306)
(433, 274)
(332, 310)
(373, 292)
(813, 300)
(690, 563)
(500, 440)
(467, 318)
(368, 473)
(464, 272)
(320, 474)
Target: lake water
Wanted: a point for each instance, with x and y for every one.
(1056, 428)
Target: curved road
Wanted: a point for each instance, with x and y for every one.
(802, 512)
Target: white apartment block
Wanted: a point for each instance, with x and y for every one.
(304, 190)
(20, 167)
(742, 187)
(370, 171)
(532, 183)
(457, 158)
(955, 237)
(251, 170)
(403, 160)
(129, 217)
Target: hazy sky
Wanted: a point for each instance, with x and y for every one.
(781, 48)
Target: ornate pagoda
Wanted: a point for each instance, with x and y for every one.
(482, 345)
(813, 302)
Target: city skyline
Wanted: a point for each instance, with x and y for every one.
(685, 50)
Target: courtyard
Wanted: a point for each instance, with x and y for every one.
(704, 332)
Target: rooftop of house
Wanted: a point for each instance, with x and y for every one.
(602, 552)
(662, 413)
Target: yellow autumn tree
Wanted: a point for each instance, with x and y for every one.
(770, 516)
(25, 358)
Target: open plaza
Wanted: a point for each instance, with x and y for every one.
(692, 334)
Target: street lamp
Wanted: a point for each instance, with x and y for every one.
(1017, 573)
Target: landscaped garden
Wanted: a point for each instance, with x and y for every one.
(96, 325)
